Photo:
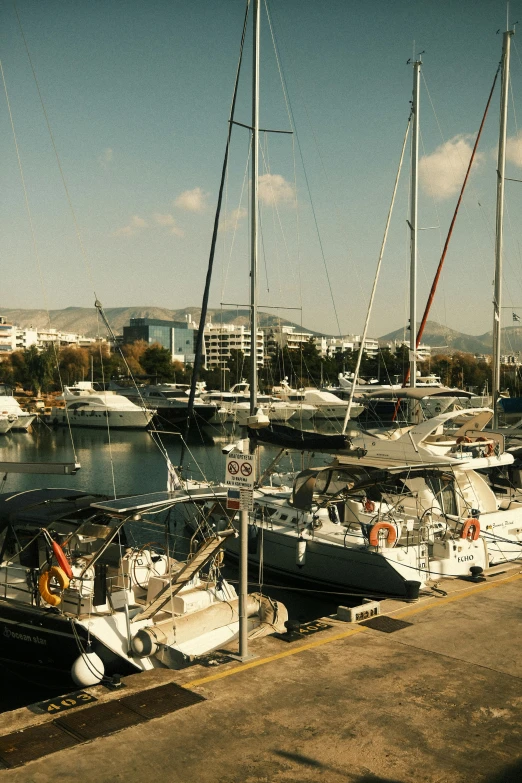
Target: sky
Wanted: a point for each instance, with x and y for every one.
(121, 166)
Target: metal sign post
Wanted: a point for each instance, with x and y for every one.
(240, 478)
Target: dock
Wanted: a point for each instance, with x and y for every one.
(431, 692)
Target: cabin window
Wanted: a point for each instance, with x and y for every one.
(283, 517)
(444, 490)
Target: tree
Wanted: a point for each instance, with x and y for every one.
(73, 362)
(133, 353)
(39, 368)
(157, 362)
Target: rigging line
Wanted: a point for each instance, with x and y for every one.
(60, 168)
(376, 279)
(111, 460)
(237, 214)
(98, 305)
(450, 231)
(474, 238)
(36, 253)
(277, 213)
(198, 359)
(316, 223)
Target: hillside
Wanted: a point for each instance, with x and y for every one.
(84, 320)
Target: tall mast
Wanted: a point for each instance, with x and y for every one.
(254, 211)
(499, 229)
(243, 514)
(413, 219)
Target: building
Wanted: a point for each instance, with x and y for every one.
(221, 339)
(284, 337)
(330, 345)
(423, 350)
(178, 337)
(7, 337)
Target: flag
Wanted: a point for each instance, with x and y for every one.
(173, 480)
(516, 317)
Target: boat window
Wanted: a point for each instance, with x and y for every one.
(443, 488)
(283, 517)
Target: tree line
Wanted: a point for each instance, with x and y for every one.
(47, 370)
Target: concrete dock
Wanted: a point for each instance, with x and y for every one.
(438, 700)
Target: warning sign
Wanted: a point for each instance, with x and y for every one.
(240, 471)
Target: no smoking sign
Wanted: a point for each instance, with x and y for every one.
(240, 470)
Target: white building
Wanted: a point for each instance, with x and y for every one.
(329, 345)
(7, 337)
(423, 351)
(221, 339)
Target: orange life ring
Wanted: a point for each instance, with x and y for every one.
(463, 439)
(369, 506)
(490, 448)
(44, 584)
(374, 533)
(471, 529)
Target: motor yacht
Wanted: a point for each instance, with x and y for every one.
(170, 402)
(9, 405)
(86, 407)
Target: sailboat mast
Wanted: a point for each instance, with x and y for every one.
(254, 210)
(499, 230)
(413, 220)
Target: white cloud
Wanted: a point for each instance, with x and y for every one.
(163, 220)
(232, 219)
(168, 221)
(106, 157)
(192, 200)
(135, 224)
(514, 149)
(442, 173)
(274, 189)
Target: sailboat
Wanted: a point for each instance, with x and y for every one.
(82, 603)
(391, 514)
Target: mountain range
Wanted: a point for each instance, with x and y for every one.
(84, 320)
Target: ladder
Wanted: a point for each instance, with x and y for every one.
(203, 555)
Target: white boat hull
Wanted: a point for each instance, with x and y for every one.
(138, 419)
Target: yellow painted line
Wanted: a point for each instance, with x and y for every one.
(261, 661)
(345, 635)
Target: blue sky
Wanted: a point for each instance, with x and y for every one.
(138, 95)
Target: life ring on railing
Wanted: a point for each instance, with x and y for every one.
(374, 533)
(490, 447)
(369, 506)
(463, 439)
(44, 584)
(471, 529)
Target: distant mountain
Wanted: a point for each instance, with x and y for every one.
(84, 320)
(439, 336)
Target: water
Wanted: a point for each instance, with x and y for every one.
(128, 463)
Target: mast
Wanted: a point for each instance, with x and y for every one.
(499, 228)
(413, 219)
(243, 514)
(254, 211)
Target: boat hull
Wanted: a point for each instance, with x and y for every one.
(48, 644)
(338, 568)
(102, 419)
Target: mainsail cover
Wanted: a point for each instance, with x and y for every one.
(300, 440)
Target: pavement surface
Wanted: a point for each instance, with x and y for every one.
(439, 700)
